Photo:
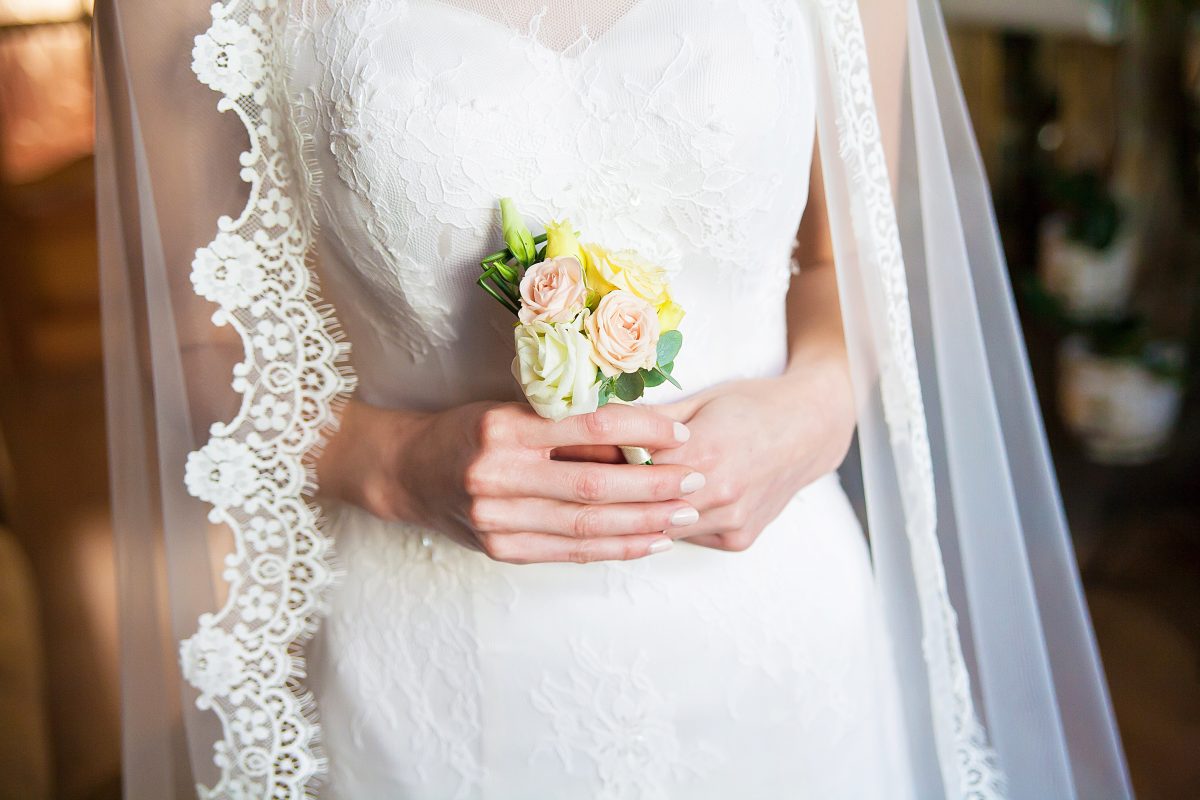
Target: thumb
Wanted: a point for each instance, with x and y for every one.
(680, 410)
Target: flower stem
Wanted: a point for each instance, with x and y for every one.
(503, 299)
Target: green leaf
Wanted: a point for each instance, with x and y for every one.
(653, 377)
(668, 346)
(630, 386)
(665, 369)
(606, 387)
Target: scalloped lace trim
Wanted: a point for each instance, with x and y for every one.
(969, 765)
(244, 659)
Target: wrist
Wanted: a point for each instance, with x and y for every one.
(363, 462)
(819, 380)
(387, 486)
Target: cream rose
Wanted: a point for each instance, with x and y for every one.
(555, 369)
(623, 331)
(625, 269)
(552, 291)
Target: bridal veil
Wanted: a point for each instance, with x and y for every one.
(225, 372)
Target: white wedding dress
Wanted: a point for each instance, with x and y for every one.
(441, 674)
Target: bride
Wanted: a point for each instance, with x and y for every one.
(513, 611)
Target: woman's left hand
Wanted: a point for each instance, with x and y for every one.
(758, 442)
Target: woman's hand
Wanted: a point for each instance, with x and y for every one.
(759, 442)
(488, 476)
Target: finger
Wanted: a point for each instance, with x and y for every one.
(539, 515)
(713, 522)
(711, 540)
(581, 482)
(733, 542)
(536, 548)
(681, 410)
(614, 424)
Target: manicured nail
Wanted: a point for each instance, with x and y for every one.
(694, 482)
(660, 546)
(682, 434)
(684, 516)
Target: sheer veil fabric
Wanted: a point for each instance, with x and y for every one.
(225, 371)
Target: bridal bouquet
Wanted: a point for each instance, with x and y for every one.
(592, 325)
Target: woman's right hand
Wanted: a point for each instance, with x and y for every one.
(484, 475)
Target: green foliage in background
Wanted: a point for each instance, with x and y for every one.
(1092, 213)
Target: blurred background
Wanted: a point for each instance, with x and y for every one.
(1088, 117)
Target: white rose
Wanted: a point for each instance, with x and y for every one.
(555, 369)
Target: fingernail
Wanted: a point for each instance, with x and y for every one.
(660, 546)
(684, 516)
(693, 482)
(682, 434)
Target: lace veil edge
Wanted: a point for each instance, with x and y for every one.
(241, 443)
(1003, 689)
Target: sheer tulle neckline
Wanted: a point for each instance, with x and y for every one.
(565, 32)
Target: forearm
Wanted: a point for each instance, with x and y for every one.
(816, 342)
(814, 320)
(816, 347)
(361, 459)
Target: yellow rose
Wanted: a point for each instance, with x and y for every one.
(605, 271)
(561, 241)
(670, 314)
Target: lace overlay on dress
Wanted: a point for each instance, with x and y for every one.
(608, 710)
(427, 143)
(410, 144)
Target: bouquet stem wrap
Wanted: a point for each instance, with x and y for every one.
(636, 455)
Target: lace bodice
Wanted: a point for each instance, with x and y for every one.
(691, 144)
(681, 128)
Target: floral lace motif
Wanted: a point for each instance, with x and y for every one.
(425, 143)
(609, 711)
(969, 766)
(243, 660)
(360, 135)
(412, 638)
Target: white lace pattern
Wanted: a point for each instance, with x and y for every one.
(244, 659)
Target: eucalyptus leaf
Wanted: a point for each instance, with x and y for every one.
(630, 386)
(653, 377)
(606, 388)
(668, 346)
(665, 370)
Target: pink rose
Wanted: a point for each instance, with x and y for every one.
(553, 291)
(623, 331)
